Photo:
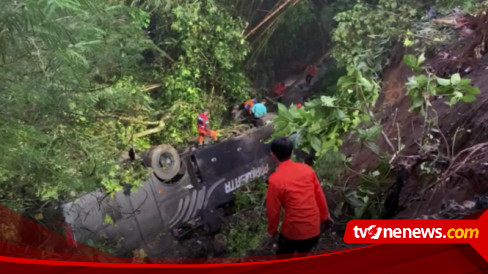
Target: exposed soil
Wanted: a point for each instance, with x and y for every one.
(470, 121)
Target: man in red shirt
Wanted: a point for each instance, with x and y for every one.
(311, 71)
(295, 188)
(279, 88)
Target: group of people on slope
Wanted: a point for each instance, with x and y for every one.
(310, 71)
(256, 109)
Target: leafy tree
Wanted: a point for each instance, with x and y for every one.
(208, 70)
(323, 123)
(74, 93)
(366, 32)
(62, 65)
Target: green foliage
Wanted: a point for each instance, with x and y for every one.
(128, 174)
(422, 87)
(369, 136)
(108, 220)
(353, 199)
(74, 94)
(366, 33)
(329, 168)
(366, 200)
(104, 244)
(61, 64)
(465, 5)
(208, 70)
(249, 226)
(323, 122)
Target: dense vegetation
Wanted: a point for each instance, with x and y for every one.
(84, 80)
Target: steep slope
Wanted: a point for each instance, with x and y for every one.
(461, 127)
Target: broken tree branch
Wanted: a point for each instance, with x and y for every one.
(127, 119)
(157, 129)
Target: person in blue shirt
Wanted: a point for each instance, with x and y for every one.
(258, 111)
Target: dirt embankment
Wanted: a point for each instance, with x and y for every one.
(461, 126)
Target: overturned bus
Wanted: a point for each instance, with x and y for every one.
(184, 191)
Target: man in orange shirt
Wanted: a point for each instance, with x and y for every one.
(202, 126)
(295, 188)
(249, 104)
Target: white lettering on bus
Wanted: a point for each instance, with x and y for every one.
(243, 179)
